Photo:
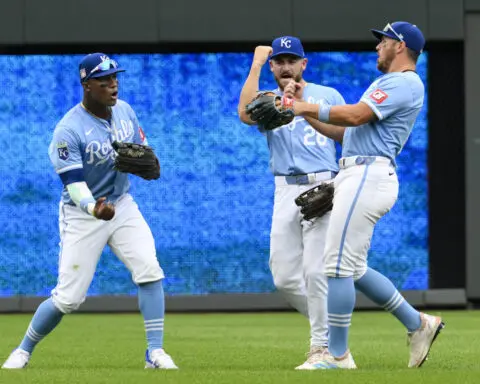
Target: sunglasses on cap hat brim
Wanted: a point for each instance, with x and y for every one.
(105, 68)
(388, 31)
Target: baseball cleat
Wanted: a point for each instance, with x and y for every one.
(421, 340)
(18, 359)
(158, 359)
(325, 360)
(311, 357)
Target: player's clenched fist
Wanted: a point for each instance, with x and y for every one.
(102, 210)
(261, 54)
(293, 90)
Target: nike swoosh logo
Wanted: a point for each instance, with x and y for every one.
(89, 132)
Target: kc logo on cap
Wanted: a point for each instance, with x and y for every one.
(286, 42)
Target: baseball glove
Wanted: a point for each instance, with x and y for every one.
(136, 159)
(316, 202)
(270, 110)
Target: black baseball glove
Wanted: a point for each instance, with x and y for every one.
(317, 201)
(267, 110)
(136, 159)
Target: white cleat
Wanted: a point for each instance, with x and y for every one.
(421, 340)
(325, 360)
(158, 359)
(312, 356)
(18, 359)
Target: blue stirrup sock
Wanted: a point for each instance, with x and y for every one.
(381, 290)
(45, 319)
(151, 300)
(341, 302)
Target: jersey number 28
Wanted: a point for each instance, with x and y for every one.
(313, 137)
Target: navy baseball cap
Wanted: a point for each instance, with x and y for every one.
(287, 45)
(403, 31)
(97, 65)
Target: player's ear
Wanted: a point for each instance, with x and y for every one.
(271, 65)
(401, 46)
(86, 86)
(304, 64)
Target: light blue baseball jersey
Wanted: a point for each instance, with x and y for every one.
(81, 149)
(396, 99)
(296, 148)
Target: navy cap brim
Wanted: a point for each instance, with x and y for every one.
(286, 53)
(379, 34)
(111, 71)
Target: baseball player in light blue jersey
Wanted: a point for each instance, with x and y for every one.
(95, 210)
(366, 188)
(300, 158)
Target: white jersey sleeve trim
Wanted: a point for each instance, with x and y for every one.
(373, 108)
(69, 168)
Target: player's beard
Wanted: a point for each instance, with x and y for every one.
(283, 81)
(384, 64)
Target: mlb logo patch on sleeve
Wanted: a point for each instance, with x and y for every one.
(62, 149)
(378, 96)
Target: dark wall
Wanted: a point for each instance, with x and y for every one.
(155, 21)
(446, 170)
(472, 147)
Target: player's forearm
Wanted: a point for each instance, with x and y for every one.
(249, 91)
(341, 115)
(334, 132)
(82, 196)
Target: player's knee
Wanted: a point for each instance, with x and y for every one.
(331, 273)
(286, 283)
(314, 271)
(315, 276)
(338, 270)
(148, 273)
(336, 266)
(67, 305)
(359, 272)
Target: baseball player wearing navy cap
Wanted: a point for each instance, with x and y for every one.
(405, 32)
(300, 159)
(287, 45)
(366, 188)
(97, 65)
(95, 210)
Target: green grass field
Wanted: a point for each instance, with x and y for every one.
(238, 348)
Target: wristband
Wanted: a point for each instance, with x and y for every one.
(87, 205)
(324, 111)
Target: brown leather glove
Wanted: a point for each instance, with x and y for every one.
(270, 111)
(137, 159)
(316, 201)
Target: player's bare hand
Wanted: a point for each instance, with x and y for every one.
(290, 89)
(261, 54)
(294, 90)
(102, 210)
